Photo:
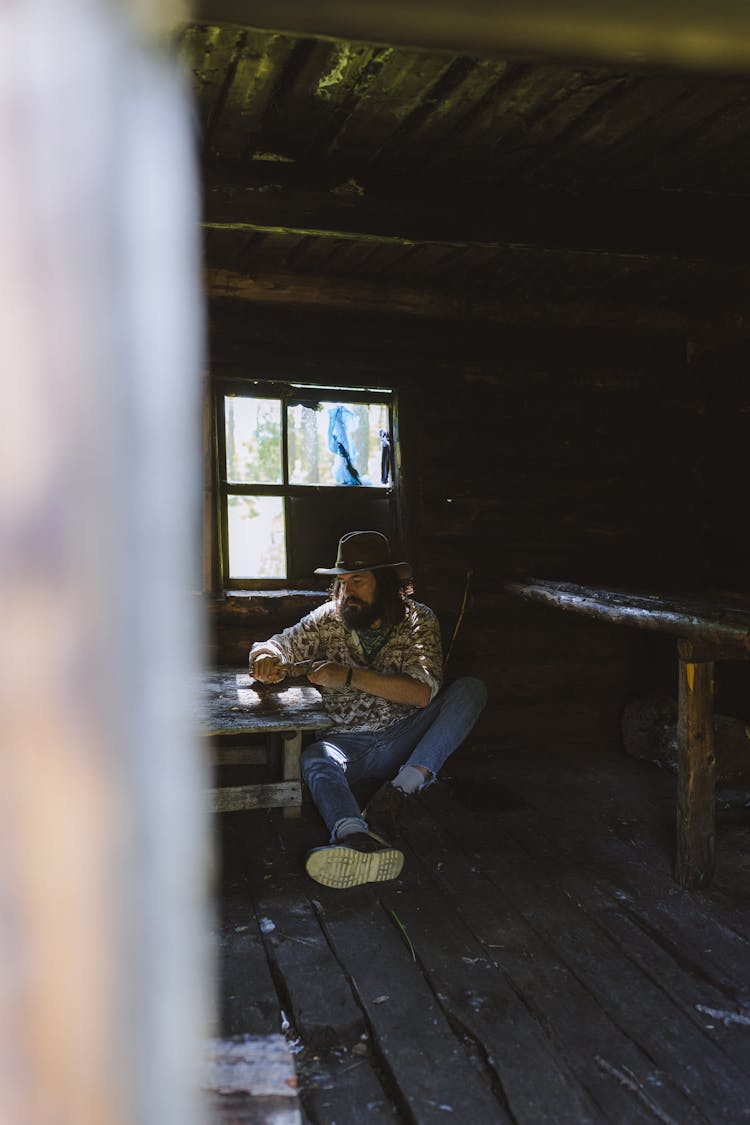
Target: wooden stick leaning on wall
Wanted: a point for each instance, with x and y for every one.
(459, 619)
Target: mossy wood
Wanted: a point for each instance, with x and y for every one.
(683, 33)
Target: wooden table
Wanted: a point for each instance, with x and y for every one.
(229, 705)
(707, 629)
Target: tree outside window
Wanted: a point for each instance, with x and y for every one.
(298, 465)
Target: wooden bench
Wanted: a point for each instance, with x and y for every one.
(230, 706)
(707, 629)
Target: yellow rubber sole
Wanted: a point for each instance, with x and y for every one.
(342, 867)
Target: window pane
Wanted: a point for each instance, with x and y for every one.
(336, 443)
(257, 547)
(253, 438)
(320, 519)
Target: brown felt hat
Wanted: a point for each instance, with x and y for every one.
(364, 550)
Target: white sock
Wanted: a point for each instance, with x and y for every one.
(347, 826)
(409, 779)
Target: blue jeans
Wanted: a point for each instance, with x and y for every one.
(425, 738)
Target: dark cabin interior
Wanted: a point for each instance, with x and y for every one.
(544, 257)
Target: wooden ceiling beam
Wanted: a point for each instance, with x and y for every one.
(280, 198)
(327, 292)
(689, 34)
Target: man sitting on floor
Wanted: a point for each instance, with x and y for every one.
(378, 664)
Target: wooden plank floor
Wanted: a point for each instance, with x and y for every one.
(534, 963)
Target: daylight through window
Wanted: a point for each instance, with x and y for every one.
(298, 468)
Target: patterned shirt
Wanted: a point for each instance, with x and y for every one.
(413, 649)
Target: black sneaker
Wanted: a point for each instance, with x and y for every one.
(385, 810)
(360, 858)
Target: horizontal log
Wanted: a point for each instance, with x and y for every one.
(528, 494)
(489, 638)
(411, 349)
(555, 678)
(257, 609)
(239, 798)
(323, 291)
(341, 293)
(649, 728)
(684, 33)
(715, 623)
(403, 211)
(555, 718)
(239, 756)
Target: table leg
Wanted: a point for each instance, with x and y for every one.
(696, 772)
(292, 747)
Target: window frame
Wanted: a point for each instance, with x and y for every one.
(284, 392)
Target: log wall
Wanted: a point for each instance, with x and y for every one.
(723, 370)
(561, 453)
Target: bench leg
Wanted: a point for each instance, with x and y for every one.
(696, 771)
(292, 747)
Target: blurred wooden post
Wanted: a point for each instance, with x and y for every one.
(103, 834)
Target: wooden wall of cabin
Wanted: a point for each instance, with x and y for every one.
(722, 367)
(720, 359)
(554, 450)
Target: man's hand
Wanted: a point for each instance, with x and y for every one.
(328, 674)
(267, 669)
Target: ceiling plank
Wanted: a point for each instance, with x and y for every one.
(684, 33)
(398, 210)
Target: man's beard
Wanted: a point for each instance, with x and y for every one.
(358, 615)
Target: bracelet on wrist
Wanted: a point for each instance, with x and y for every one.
(349, 674)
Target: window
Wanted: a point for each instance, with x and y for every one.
(298, 467)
